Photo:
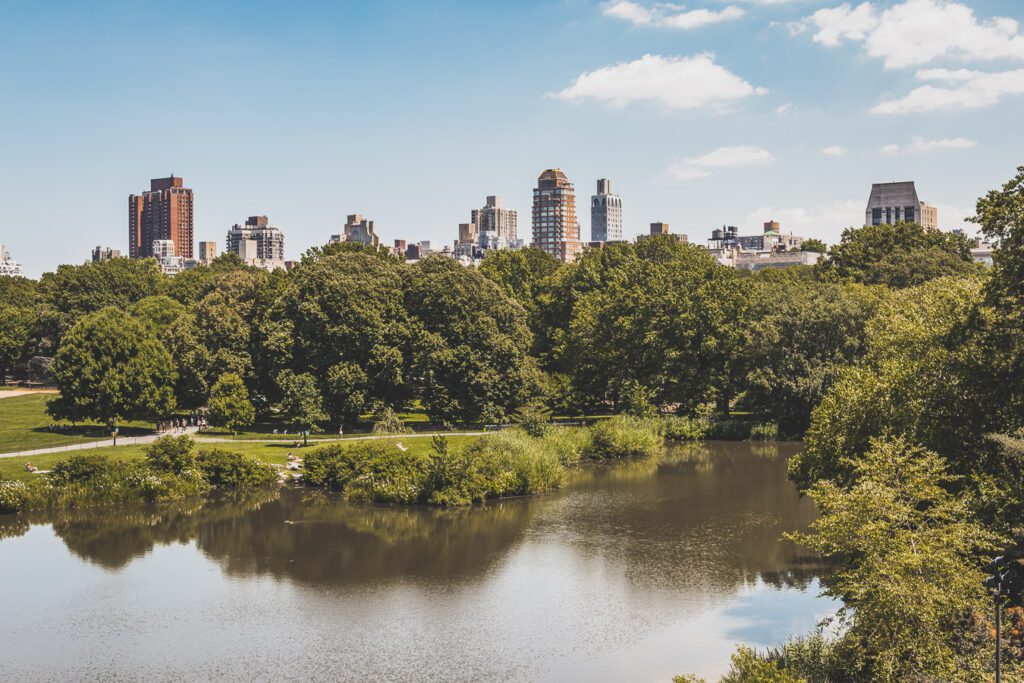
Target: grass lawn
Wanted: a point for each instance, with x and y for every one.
(14, 468)
(24, 422)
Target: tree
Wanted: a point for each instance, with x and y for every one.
(16, 326)
(874, 253)
(659, 314)
(521, 273)
(802, 337)
(229, 405)
(158, 312)
(814, 245)
(1000, 213)
(110, 368)
(471, 344)
(301, 402)
(345, 320)
(908, 580)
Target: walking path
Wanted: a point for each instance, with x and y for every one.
(11, 393)
(134, 440)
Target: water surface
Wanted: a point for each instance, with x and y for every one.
(634, 572)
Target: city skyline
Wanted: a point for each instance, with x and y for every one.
(802, 108)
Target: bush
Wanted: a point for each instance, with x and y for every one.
(570, 444)
(534, 419)
(171, 454)
(681, 429)
(501, 464)
(624, 437)
(764, 431)
(729, 429)
(390, 423)
(82, 469)
(14, 496)
(377, 472)
(228, 470)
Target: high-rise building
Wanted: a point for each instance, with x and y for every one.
(358, 229)
(268, 240)
(207, 252)
(163, 213)
(9, 266)
(659, 228)
(605, 214)
(898, 202)
(555, 228)
(100, 254)
(495, 222)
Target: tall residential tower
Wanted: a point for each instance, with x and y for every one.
(163, 213)
(555, 228)
(605, 214)
(898, 202)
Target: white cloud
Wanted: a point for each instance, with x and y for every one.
(783, 108)
(962, 89)
(916, 32)
(841, 23)
(668, 15)
(891, 149)
(675, 82)
(723, 157)
(834, 151)
(919, 144)
(825, 222)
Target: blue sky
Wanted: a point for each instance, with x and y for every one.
(716, 112)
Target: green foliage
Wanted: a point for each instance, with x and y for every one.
(370, 471)
(16, 327)
(471, 343)
(764, 431)
(804, 336)
(570, 444)
(680, 429)
(301, 403)
(111, 368)
(507, 463)
(534, 419)
(908, 579)
(14, 496)
(390, 423)
(522, 274)
(229, 404)
(814, 245)
(157, 312)
(748, 667)
(637, 400)
(174, 454)
(624, 437)
(904, 254)
(229, 470)
(95, 480)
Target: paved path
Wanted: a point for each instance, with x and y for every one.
(134, 440)
(11, 393)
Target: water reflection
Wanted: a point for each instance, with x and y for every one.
(635, 570)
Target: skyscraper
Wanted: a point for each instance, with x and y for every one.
(358, 229)
(605, 214)
(207, 252)
(100, 254)
(496, 221)
(163, 213)
(268, 240)
(555, 228)
(898, 202)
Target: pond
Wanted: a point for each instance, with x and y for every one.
(636, 571)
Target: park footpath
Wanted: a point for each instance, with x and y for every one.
(150, 438)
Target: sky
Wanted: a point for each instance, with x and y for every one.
(702, 114)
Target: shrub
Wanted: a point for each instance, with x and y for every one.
(624, 437)
(764, 431)
(378, 472)
(14, 496)
(637, 400)
(228, 470)
(534, 419)
(682, 428)
(728, 429)
(501, 464)
(171, 454)
(81, 469)
(390, 423)
(570, 444)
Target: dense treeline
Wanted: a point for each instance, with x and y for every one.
(353, 331)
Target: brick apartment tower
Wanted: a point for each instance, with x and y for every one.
(555, 228)
(163, 213)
